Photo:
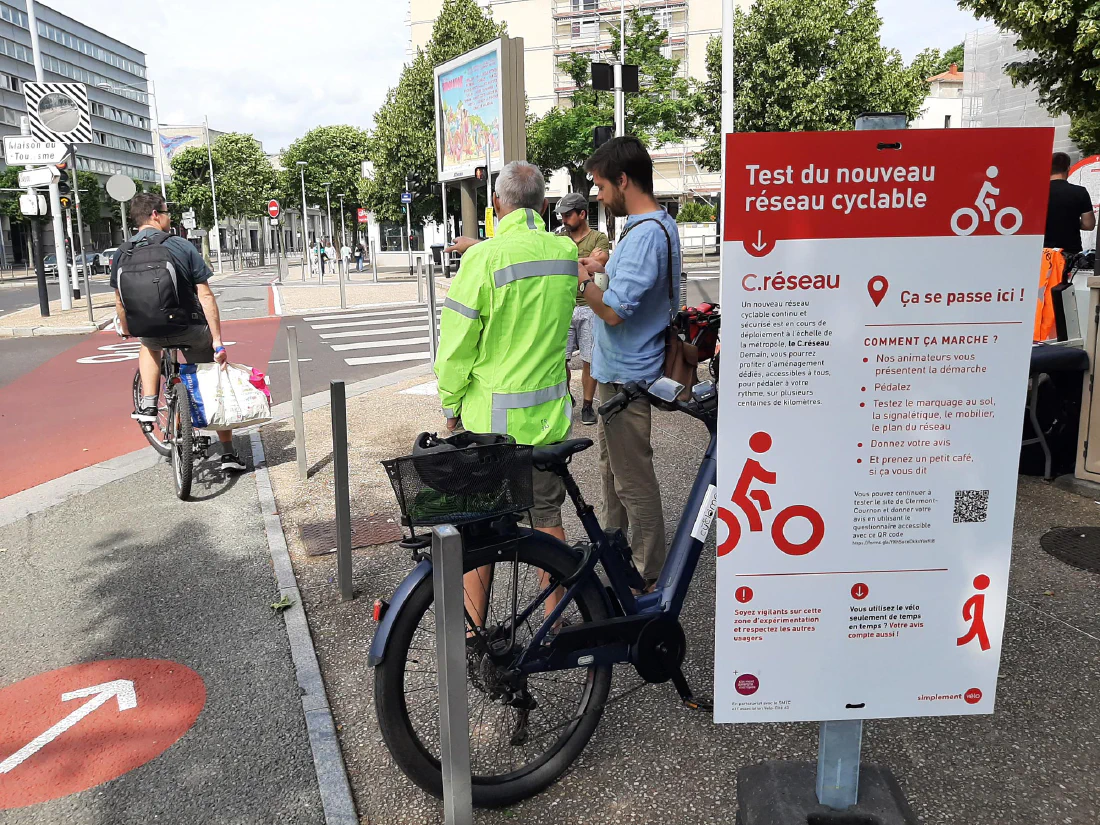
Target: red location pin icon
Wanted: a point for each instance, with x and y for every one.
(876, 288)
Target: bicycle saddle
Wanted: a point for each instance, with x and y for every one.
(560, 453)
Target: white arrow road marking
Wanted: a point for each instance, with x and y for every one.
(120, 689)
(759, 240)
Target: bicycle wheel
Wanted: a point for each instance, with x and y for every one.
(158, 434)
(183, 440)
(520, 740)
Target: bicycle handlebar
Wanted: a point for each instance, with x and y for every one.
(619, 401)
(699, 408)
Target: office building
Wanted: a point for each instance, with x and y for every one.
(115, 76)
(554, 29)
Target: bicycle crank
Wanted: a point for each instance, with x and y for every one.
(659, 649)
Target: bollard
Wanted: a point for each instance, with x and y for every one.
(419, 284)
(373, 262)
(338, 408)
(450, 646)
(343, 291)
(433, 317)
(296, 401)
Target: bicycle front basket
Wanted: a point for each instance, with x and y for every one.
(463, 485)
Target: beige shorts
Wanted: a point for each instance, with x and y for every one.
(549, 495)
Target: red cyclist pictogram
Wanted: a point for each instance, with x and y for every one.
(755, 502)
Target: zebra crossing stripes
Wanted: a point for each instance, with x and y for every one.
(385, 335)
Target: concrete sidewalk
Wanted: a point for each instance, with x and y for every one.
(127, 571)
(651, 761)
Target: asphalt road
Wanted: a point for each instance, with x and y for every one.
(352, 345)
(128, 571)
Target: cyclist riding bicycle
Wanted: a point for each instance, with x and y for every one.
(148, 283)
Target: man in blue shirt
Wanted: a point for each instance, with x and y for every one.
(629, 341)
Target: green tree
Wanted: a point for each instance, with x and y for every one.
(663, 111)
(403, 141)
(190, 186)
(246, 180)
(808, 67)
(332, 153)
(91, 198)
(1064, 37)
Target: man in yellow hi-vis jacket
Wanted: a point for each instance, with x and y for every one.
(503, 328)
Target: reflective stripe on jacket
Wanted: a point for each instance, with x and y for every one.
(503, 330)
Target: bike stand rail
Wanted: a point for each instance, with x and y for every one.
(838, 790)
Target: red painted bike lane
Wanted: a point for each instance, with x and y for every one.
(73, 411)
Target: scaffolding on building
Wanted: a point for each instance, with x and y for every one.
(990, 99)
(586, 26)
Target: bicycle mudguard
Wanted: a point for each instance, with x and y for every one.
(401, 595)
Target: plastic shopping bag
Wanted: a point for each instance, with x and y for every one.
(226, 398)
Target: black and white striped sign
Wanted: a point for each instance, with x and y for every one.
(59, 111)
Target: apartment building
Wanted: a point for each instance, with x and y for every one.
(554, 29)
(115, 76)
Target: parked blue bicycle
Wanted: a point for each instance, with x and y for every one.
(543, 627)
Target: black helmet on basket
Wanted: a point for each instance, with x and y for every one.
(455, 465)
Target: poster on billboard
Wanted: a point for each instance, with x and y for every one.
(479, 104)
(1086, 173)
(881, 290)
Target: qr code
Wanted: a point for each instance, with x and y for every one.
(971, 506)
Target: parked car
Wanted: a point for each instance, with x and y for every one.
(50, 262)
(105, 259)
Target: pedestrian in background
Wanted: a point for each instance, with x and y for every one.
(358, 257)
(572, 211)
(1069, 212)
(629, 341)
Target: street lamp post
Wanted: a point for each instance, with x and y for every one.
(408, 228)
(111, 87)
(343, 230)
(328, 208)
(305, 223)
(213, 191)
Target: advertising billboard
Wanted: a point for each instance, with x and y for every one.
(479, 108)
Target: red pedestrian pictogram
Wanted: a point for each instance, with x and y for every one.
(974, 612)
(71, 729)
(743, 594)
(860, 591)
(755, 502)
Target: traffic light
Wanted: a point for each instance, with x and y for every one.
(480, 174)
(601, 135)
(64, 190)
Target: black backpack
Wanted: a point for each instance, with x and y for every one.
(159, 301)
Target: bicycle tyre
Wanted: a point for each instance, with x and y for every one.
(410, 753)
(157, 436)
(183, 441)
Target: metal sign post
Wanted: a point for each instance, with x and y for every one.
(433, 319)
(450, 646)
(339, 413)
(407, 199)
(296, 402)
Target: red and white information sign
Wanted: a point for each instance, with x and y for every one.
(362, 213)
(71, 729)
(879, 291)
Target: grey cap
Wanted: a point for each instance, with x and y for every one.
(574, 200)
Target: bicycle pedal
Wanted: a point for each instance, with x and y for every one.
(146, 426)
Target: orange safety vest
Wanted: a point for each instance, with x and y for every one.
(1050, 275)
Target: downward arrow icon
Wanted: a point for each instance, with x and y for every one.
(121, 690)
(759, 245)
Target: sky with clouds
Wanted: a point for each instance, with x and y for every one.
(277, 68)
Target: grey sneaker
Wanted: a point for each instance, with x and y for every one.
(231, 462)
(588, 415)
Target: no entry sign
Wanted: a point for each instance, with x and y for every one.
(71, 729)
(273, 208)
(883, 293)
